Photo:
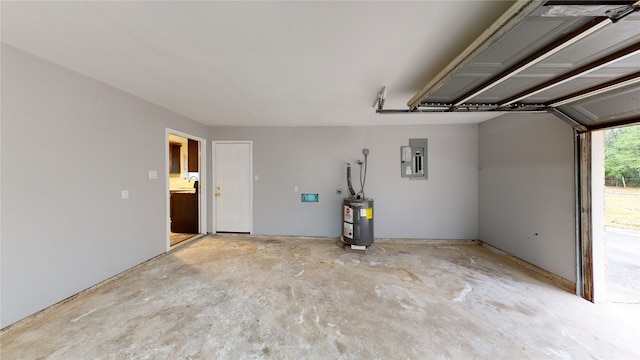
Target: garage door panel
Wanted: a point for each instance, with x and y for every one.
(549, 54)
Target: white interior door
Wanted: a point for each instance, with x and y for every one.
(233, 192)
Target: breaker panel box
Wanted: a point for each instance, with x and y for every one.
(413, 160)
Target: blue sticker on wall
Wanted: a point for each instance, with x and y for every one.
(309, 197)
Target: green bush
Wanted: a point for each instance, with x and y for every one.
(622, 156)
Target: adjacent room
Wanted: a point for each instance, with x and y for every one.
(283, 179)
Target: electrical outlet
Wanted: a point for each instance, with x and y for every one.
(125, 194)
(152, 174)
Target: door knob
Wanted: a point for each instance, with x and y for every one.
(217, 194)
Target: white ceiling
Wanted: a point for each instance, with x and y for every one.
(258, 63)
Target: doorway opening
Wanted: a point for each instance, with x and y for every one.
(622, 213)
(185, 190)
(616, 251)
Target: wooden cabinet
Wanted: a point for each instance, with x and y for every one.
(184, 212)
(174, 158)
(193, 156)
(175, 161)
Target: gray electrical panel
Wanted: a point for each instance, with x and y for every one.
(413, 160)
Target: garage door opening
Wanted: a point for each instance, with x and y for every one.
(616, 192)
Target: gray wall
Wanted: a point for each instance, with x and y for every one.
(526, 204)
(314, 159)
(69, 146)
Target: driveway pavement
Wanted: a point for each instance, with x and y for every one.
(623, 265)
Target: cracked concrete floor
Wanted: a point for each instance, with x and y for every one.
(241, 297)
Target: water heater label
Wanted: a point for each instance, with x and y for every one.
(369, 213)
(363, 212)
(348, 230)
(348, 214)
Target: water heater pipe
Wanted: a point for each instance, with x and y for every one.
(351, 191)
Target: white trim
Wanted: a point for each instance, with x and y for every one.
(598, 243)
(202, 194)
(213, 185)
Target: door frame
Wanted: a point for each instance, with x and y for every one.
(590, 224)
(214, 201)
(583, 213)
(202, 194)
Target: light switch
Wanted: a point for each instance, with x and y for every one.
(295, 189)
(152, 174)
(125, 194)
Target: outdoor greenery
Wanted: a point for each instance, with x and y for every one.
(622, 156)
(622, 207)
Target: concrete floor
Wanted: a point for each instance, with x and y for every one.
(236, 297)
(623, 265)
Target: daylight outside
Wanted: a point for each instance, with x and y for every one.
(622, 214)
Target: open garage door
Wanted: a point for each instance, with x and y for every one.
(579, 60)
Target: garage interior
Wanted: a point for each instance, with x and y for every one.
(489, 256)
